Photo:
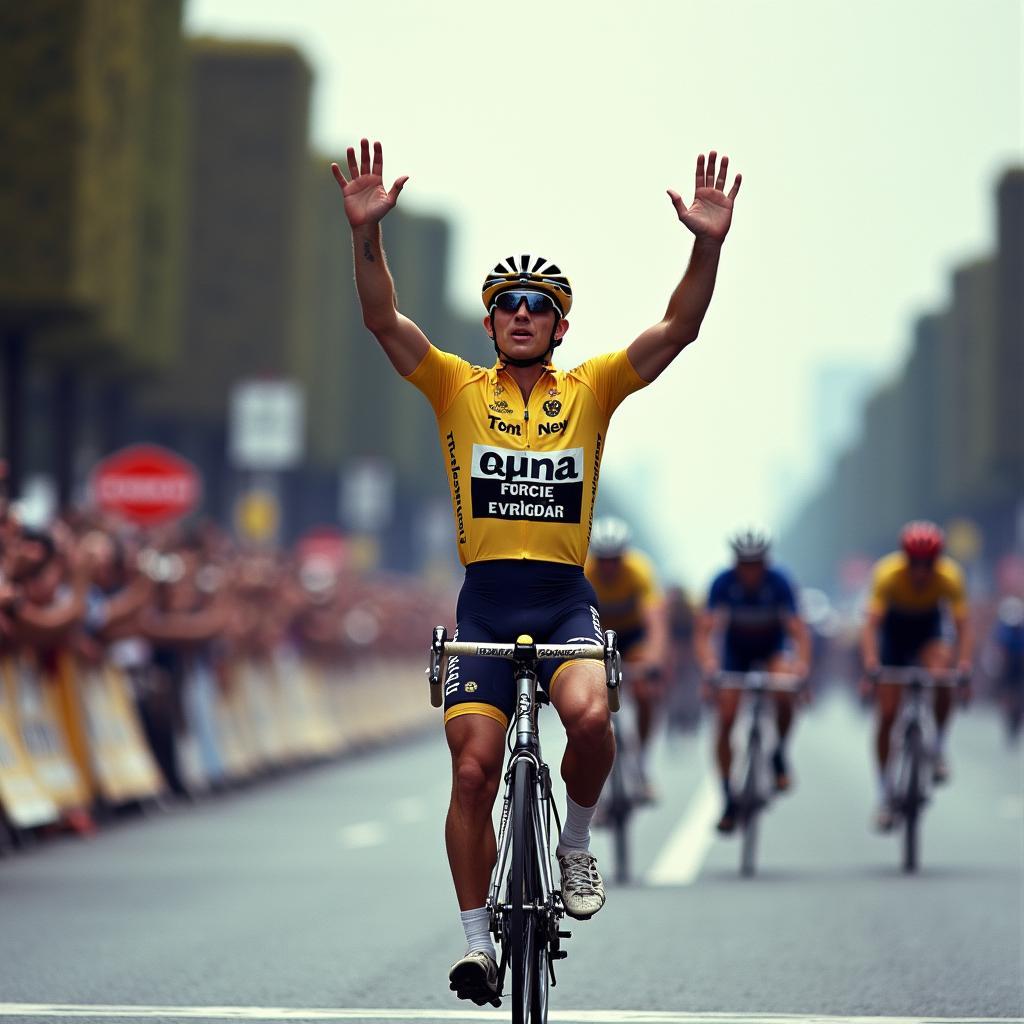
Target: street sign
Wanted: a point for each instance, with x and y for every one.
(146, 484)
(258, 516)
(267, 424)
(367, 495)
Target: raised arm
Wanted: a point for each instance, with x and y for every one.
(366, 205)
(708, 217)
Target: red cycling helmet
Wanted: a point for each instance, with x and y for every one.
(922, 540)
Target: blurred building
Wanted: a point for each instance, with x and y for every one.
(168, 235)
(246, 282)
(944, 440)
(91, 202)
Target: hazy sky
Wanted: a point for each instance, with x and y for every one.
(869, 134)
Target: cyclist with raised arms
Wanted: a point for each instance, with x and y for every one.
(522, 441)
(632, 603)
(752, 611)
(911, 592)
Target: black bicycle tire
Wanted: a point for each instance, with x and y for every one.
(618, 813)
(523, 891)
(912, 801)
(750, 810)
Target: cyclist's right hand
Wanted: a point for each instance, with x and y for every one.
(366, 201)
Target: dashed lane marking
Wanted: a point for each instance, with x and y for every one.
(410, 810)
(46, 1011)
(362, 834)
(683, 855)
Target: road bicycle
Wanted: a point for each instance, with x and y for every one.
(754, 793)
(524, 903)
(915, 729)
(623, 791)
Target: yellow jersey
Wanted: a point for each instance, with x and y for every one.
(523, 473)
(624, 599)
(892, 591)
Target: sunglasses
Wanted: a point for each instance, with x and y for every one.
(536, 302)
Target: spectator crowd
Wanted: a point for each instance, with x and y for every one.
(178, 607)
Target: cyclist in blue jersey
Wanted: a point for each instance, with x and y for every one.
(751, 623)
(1008, 642)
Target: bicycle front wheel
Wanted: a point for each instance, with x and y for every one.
(913, 799)
(751, 803)
(528, 948)
(619, 807)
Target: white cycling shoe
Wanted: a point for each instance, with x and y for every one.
(582, 887)
(475, 976)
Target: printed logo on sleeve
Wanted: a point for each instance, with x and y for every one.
(538, 486)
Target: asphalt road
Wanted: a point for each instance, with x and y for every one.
(329, 889)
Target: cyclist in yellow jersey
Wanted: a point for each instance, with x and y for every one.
(631, 603)
(522, 441)
(910, 591)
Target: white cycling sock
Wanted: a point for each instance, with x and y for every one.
(575, 833)
(478, 936)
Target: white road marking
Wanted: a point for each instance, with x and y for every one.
(362, 834)
(410, 809)
(263, 1013)
(683, 855)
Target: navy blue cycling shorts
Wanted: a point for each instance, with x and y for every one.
(752, 658)
(500, 600)
(903, 637)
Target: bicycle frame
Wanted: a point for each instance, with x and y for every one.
(913, 781)
(752, 797)
(545, 908)
(527, 745)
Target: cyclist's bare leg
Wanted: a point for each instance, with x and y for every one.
(888, 697)
(580, 697)
(728, 706)
(647, 695)
(477, 744)
(938, 655)
(784, 708)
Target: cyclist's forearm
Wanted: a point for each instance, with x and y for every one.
(656, 627)
(702, 636)
(869, 641)
(374, 284)
(964, 640)
(692, 296)
(801, 639)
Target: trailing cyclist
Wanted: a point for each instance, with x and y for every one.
(522, 441)
(752, 614)
(1008, 647)
(912, 591)
(631, 603)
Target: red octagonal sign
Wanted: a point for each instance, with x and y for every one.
(146, 484)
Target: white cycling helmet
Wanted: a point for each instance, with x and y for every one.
(751, 544)
(610, 537)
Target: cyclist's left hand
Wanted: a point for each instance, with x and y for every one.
(710, 214)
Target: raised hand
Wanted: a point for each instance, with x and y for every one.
(710, 213)
(366, 200)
